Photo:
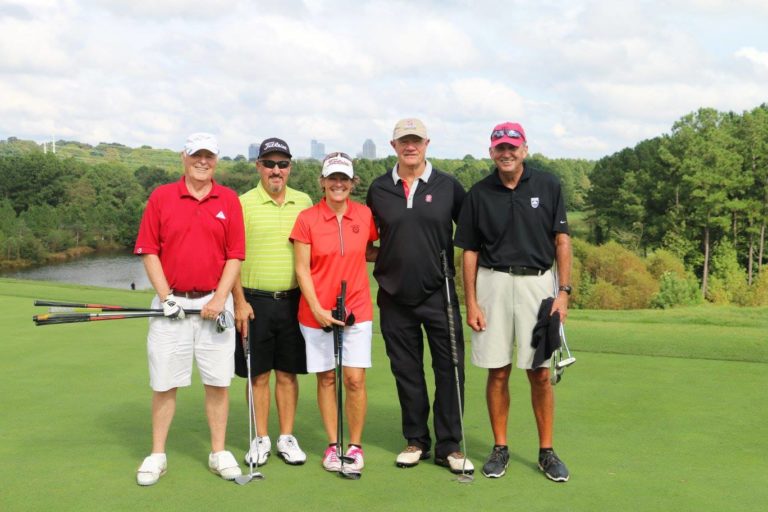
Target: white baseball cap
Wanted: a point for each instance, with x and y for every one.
(201, 140)
(337, 162)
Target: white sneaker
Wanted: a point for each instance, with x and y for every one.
(223, 463)
(410, 456)
(150, 471)
(356, 454)
(288, 449)
(331, 460)
(260, 448)
(456, 463)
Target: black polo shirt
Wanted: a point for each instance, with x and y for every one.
(408, 266)
(511, 227)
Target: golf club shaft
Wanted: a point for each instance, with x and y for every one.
(67, 318)
(454, 351)
(55, 303)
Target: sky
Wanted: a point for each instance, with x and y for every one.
(585, 78)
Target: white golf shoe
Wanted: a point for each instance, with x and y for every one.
(288, 449)
(259, 451)
(223, 463)
(153, 467)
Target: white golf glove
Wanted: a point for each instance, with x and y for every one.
(172, 309)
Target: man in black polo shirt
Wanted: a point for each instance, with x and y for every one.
(512, 228)
(414, 207)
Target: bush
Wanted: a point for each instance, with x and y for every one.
(727, 282)
(603, 295)
(676, 290)
(663, 261)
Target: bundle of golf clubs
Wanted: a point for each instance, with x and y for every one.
(73, 312)
(464, 477)
(560, 363)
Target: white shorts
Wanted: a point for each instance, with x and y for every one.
(511, 307)
(356, 349)
(172, 344)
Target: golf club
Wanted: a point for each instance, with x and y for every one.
(252, 475)
(224, 321)
(73, 306)
(559, 364)
(338, 347)
(464, 477)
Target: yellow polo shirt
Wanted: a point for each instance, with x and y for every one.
(269, 259)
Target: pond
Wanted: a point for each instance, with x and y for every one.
(113, 270)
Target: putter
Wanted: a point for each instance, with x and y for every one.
(559, 364)
(252, 475)
(338, 347)
(464, 477)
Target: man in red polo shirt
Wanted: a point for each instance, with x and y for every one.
(192, 242)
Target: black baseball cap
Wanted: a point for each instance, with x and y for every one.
(274, 145)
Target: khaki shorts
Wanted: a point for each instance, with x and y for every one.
(356, 347)
(511, 306)
(172, 345)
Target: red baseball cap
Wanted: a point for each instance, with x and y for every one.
(508, 133)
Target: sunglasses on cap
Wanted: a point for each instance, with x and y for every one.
(281, 164)
(506, 132)
(336, 155)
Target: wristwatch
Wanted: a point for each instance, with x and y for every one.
(565, 288)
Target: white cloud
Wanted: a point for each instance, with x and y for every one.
(585, 78)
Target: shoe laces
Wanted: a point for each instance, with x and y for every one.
(550, 459)
(331, 455)
(497, 455)
(355, 453)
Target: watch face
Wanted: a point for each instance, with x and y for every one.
(566, 289)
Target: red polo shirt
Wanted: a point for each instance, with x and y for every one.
(338, 253)
(193, 238)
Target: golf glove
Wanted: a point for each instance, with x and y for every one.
(172, 309)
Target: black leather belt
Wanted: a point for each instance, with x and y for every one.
(519, 270)
(192, 295)
(279, 295)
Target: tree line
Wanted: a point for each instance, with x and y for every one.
(700, 193)
(50, 204)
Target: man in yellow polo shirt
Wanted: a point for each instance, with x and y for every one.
(267, 301)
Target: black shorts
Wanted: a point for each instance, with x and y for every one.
(275, 338)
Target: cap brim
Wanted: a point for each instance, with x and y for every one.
(507, 140)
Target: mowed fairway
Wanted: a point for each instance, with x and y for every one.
(664, 410)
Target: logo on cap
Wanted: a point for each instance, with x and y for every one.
(535, 202)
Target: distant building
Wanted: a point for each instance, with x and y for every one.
(369, 149)
(253, 151)
(317, 150)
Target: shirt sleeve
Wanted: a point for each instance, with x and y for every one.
(560, 222)
(373, 232)
(235, 230)
(458, 199)
(301, 231)
(467, 236)
(148, 239)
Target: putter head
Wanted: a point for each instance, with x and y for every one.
(465, 478)
(346, 471)
(248, 478)
(565, 363)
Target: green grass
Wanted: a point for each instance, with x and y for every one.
(669, 419)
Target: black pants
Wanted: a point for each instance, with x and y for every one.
(401, 327)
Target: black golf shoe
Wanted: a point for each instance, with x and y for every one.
(553, 467)
(496, 464)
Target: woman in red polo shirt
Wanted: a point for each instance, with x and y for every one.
(330, 241)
